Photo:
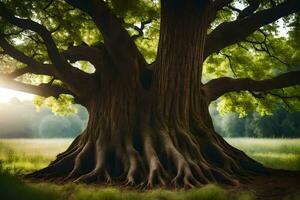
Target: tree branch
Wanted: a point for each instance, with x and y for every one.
(16, 54)
(45, 70)
(253, 6)
(63, 70)
(229, 33)
(32, 65)
(94, 55)
(41, 30)
(44, 90)
(117, 40)
(36, 27)
(217, 87)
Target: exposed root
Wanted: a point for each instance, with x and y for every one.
(78, 161)
(157, 175)
(167, 158)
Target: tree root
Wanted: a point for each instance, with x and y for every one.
(162, 161)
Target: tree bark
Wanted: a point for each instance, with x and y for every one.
(163, 136)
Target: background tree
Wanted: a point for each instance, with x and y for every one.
(281, 124)
(19, 119)
(149, 123)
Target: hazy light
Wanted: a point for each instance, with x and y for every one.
(6, 95)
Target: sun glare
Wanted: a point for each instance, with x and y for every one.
(6, 95)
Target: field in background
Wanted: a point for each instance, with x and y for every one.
(25, 155)
(274, 153)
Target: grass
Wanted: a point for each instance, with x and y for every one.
(274, 153)
(25, 155)
(13, 188)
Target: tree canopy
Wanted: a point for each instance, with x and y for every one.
(264, 51)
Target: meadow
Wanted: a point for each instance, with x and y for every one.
(19, 156)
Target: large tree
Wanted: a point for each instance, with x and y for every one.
(149, 124)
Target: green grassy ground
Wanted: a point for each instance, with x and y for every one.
(25, 155)
(274, 153)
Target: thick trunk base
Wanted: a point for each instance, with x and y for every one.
(165, 157)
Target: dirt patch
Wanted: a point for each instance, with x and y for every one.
(277, 185)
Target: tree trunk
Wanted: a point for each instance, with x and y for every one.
(163, 136)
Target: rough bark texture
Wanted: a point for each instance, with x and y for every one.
(159, 136)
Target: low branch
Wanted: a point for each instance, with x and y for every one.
(45, 70)
(217, 87)
(63, 70)
(44, 90)
(74, 79)
(16, 54)
(38, 28)
(33, 66)
(229, 33)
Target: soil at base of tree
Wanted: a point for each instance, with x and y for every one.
(277, 185)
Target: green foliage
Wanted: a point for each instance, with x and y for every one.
(62, 105)
(272, 50)
(8, 64)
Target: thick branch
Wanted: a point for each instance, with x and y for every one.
(63, 70)
(41, 30)
(45, 70)
(32, 65)
(229, 33)
(217, 87)
(16, 54)
(117, 40)
(44, 90)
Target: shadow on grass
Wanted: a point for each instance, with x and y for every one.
(13, 188)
